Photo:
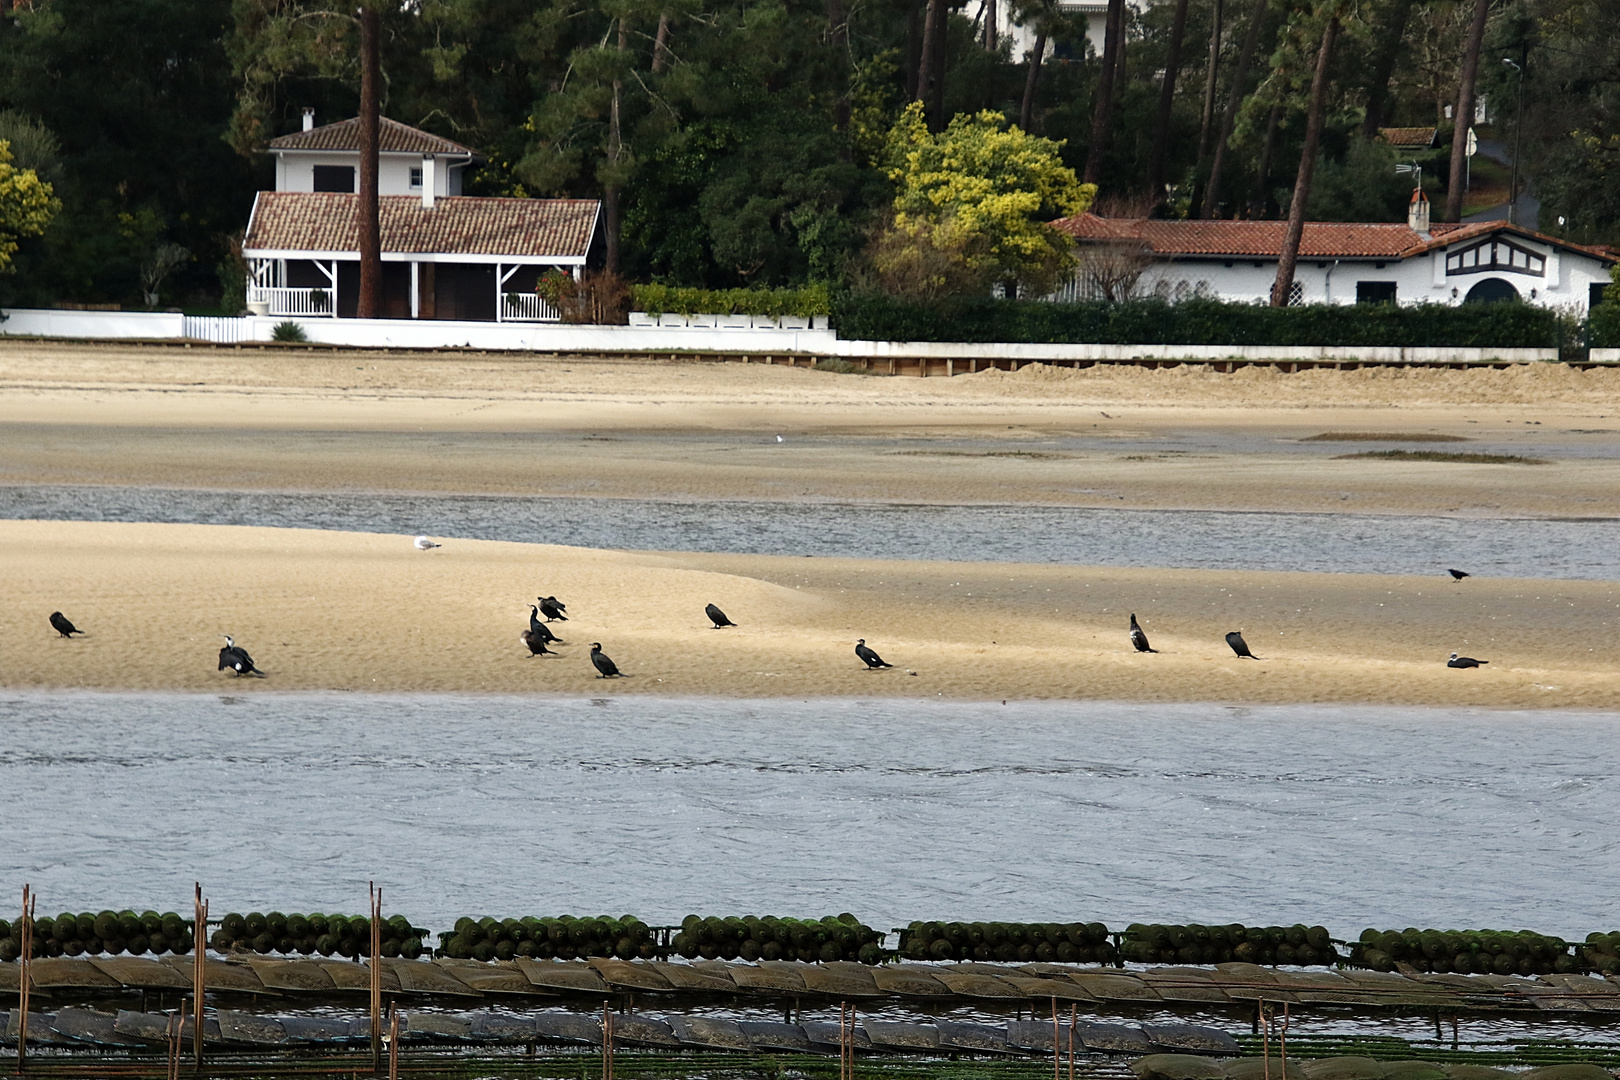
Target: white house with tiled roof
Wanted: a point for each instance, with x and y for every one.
(444, 255)
(1340, 263)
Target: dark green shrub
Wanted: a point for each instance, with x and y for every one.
(873, 317)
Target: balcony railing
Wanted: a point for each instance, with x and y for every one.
(315, 303)
(526, 307)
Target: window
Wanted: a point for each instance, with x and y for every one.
(416, 178)
(1595, 294)
(1375, 292)
(335, 178)
(1296, 294)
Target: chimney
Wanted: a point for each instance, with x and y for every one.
(1417, 214)
(309, 119)
(427, 181)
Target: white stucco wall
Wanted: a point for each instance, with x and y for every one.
(295, 171)
(1565, 282)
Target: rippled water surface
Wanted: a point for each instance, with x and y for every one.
(893, 810)
(1345, 543)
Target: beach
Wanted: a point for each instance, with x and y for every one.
(361, 611)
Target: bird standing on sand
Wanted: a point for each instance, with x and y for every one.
(552, 608)
(536, 644)
(60, 624)
(605, 668)
(539, 629)
(1464, 661)
(1458, 575)
(717, 617)
(424, 544)
(236, 658)
(868, 657)
(1139, 639)
(1239, 646)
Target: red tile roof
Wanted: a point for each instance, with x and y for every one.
(1264, 239)
(394, 137)
(1409, 136)
(459, 225)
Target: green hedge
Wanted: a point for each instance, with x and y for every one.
(872, 317)
(1603, 329)
(809, 301)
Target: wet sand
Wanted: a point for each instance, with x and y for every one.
(1108, 436)
(368, 612)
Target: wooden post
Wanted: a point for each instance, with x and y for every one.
(376, 980)
(1265, 1040)
(1282, 1042)
(1074, 1022)
(199, 971)
(173, 1031)
(23, 975)
(393, 1041)
(607, 1041)
(1057, 1045)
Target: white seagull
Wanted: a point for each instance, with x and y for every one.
(424, 544)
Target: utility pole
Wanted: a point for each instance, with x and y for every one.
(1518, 140)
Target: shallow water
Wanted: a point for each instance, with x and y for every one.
(1340, 543)
(893, 810)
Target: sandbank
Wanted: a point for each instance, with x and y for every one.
(367, 612)
(1185, 437)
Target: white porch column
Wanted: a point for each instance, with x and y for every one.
(416, 289)
(500, 312)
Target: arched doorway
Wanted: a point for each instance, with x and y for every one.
(1491, 291)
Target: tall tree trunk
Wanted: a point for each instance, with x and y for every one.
(1307, 168)
(838, 37)
(1465, 111)
(1387, 49)
(936, 101)
(1102, 113)
(660, 57)
(1210, 75)
(369, 303)
(1158, 166)
(1234, 101)
(615, 151)
(927, 74)
(991, 17)
(914, 34)
(1026, 112)
(1263, 181)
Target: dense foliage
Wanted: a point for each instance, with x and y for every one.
(807, 302)
(1196, 322)
(749, 143)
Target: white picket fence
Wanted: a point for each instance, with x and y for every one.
(220, 331)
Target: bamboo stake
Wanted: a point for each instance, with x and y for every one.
(376, 979)
(607, 1041)
(199, 972)
(24, 977)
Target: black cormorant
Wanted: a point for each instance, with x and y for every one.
(606, 669)
(1139, 639)
(1239, 646)
(60, 624)
(717, 617)
(870, 658)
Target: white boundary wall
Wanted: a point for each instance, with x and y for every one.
(555, 337)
